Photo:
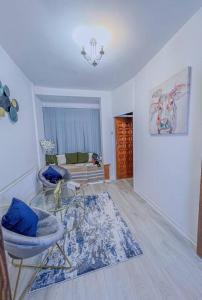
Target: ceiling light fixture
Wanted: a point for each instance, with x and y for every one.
(94, 57)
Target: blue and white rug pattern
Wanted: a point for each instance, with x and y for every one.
(102, 240)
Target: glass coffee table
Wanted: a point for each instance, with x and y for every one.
(69, 206)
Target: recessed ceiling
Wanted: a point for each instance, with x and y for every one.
(40, 37)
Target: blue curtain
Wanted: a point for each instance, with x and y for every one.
(73, 129)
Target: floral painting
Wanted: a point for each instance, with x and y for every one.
(169, 107)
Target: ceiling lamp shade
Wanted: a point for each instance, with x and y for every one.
(94, 57)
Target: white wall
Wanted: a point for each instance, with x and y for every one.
(18, 158)
(123, 98)
(24, 187)
(106, 115)
(167, 168)
(107, 131)
(38, 115)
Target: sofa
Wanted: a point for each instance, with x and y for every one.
(80, 165)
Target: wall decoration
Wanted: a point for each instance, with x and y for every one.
(13, 114)
(6, 91)
(15, 104)
(169, 107)
(2, 112)
(7, 105)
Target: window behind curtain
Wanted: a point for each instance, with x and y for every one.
(73, 129)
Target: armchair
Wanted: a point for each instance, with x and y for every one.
(19, 247)
(66, 176)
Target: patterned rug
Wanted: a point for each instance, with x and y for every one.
(103, 239)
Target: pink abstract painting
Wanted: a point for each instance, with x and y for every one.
(169, 107)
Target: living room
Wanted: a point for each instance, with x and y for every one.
(100, 232)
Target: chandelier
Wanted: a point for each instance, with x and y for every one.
(93, 58)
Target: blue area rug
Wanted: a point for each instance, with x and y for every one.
(102, 240)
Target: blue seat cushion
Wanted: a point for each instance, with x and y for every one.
(20, 218)
(52, 175)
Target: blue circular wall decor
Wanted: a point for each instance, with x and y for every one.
(6, 91)
(7, 105)
(15, 104)
(1, 91)
(13, 114)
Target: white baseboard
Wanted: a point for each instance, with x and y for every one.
(96, 182)
(167, 218)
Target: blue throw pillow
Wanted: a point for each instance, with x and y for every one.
(20, 218)
(52, 175)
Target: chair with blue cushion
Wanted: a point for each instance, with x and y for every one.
(47, 184)
(49, 232)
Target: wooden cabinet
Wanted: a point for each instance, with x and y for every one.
(106, 171)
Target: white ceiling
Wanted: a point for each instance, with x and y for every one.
(38, 35)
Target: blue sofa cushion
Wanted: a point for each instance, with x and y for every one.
(20, 218)
(52, 175)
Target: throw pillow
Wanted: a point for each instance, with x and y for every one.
(61, 159)
(82, 157)
(20, 218)
(71, 158)
(51, 159)
(52, 175)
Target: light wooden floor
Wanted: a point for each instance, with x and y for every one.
(168, 269)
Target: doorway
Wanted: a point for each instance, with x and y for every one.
(124, 146)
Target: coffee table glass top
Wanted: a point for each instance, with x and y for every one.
(45, 200)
